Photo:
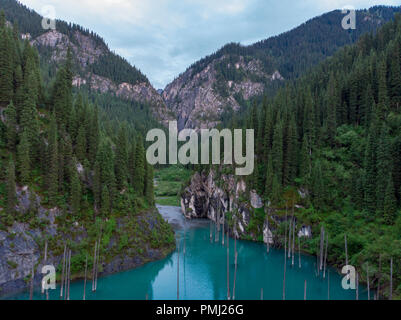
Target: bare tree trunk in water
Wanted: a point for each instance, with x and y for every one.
(94, 268)
(325, 256)
(268, 235)
(380, 277)
(178, 269)
(299, 252)
(391, 279)
(367, 279)
(62, 272)
(289, 239)
(293, 243)
(285, 266)
(357, 286)
(261, 294)
(321, 248)
(86, 269)
(305, 291)
(228, 268)
(69, 275)
(235, 273)
(222, 241)
(97, 264)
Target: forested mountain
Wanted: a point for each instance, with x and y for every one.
(65, 176)
(96, 69)
(223, 81)
(329, 146)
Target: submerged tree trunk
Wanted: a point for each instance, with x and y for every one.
(391, 279)
(325, 256)
(62, 272)
(178, 269)
(94, 268)
(228, 268)
(305, 291)
(367, 279)
(299, 253)
(86, 268)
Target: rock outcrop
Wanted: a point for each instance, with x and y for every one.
(22, 244)
(230, 201)
(198, 99)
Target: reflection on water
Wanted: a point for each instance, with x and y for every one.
(203, 272)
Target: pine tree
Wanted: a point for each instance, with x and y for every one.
(332, 105)
(395, 74)
(382, 107)
(6, 65)
(105, 209)
(277, 152)
(305, 167)
(269, 177)
(139, 170)
(52, 173)
(11, 195)
(122, 158)
(390, 203)
(24, 162)
(80, 148)
(370, 174)
(11, 125)
(149, 190)
(75, 193)
(383, 167)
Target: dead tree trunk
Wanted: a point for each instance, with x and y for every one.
(62, 272)
(94, 268)
(178, 269)
(222, 241)
(235, 273)
(325, 256)
(321, 248)
(69, 275)
(299, 252)
(357, 286)
(293, 244)
(86, 269)
(268, 235)
(285, 267)
(391, 279)
(289, 239)
(379, 278)
(305, 291)
(97, 264)
(367, 279)
(228, 268)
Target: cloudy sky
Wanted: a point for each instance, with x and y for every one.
(163, 37)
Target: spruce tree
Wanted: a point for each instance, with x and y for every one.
(390, 203)
(383, 166)
(11, 125)
(52, 173)
(332, 105)
(11, 194)
(6, 66)
(75, 193)
(24, 161)
(269, 177)
(149, 190)
(139, 169)
(277, 152)
(122, 158)
(105, 208)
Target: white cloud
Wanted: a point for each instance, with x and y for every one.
(163, 37)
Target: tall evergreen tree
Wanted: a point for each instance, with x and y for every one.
(390, 203)
(24, 160)
(11, 125)
(11, 194)
(139, 170)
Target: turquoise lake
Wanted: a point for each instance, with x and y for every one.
(203, 273)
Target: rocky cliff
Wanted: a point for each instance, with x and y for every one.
(199, 98)
(133, 241)
(226, 199)
(86, 52)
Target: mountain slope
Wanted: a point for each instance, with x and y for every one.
(95, 67)
(223, 80)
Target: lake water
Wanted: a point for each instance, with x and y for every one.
(203, 273)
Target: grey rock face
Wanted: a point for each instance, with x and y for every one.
(205, 198)
(198, 104)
